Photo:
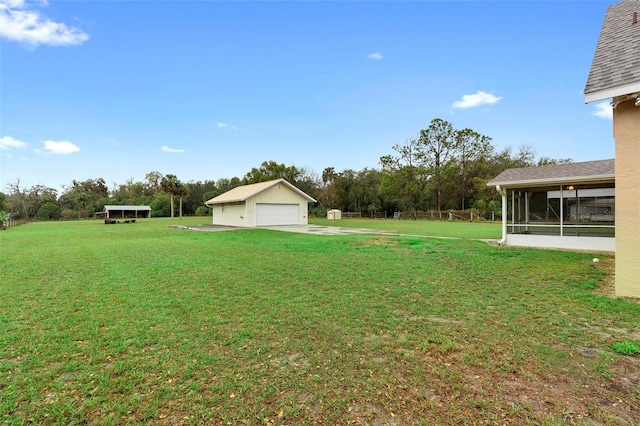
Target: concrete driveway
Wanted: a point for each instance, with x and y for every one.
(326, 230)
(302, 229)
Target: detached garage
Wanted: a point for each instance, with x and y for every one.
(276, 202)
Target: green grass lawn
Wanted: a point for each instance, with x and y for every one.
(454, 229)
(142, 323)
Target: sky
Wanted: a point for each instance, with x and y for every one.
(207, 90)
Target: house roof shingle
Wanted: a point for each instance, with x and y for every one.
(615, 70)
(242, 193)
(587, 171)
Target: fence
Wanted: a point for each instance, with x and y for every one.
(7, 223)
(359, 215)
(460, 215)
(351, 215)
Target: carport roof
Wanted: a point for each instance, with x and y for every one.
(126, 208)
(583, 172)
(242, 193)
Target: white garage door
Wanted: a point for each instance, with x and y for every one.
(277, 214)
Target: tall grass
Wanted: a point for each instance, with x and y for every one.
(142, 323)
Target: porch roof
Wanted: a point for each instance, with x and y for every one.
(587, 172)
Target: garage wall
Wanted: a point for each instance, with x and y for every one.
(233, 214)
(277, 194)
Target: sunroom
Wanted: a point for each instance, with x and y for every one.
(565, 206)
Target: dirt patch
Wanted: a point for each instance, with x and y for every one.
(607, 285)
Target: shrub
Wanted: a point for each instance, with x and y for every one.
(202, 211)
(626, 348)
(318, 212)
(68, 214)
(161, 206)
(49, 211)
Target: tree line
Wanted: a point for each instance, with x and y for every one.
(440, 169)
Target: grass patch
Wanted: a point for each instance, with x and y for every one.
(146, 324)
(434, 228)
(626, 348)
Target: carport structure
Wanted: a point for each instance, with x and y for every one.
(119, 212)
(570, 206)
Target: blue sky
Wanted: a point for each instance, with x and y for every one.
(209, 89)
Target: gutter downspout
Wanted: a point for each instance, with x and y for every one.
(503, 193)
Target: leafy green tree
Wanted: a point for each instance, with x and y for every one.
(308, 182)
(470, 147)
(3, 198)
(153, 184)
(195, 196)
(270, 170)
(404, 178)
(49, 211)
(160, 206)
(546, 161)
(364, 194)
(24, 203)
(82, 196)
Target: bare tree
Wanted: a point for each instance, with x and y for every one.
(436, 145)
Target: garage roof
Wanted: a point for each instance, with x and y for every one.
(242, 193)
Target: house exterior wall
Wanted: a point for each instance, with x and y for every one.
(277, 194)
(234, 214)
(626, 131)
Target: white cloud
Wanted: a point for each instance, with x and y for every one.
(7, 143)
(477, 99)
(603, 110)
(377, 56)
(167, 149)
(24, 25)
(224, 125)
(61, 147)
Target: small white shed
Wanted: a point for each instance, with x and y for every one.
(334, 214)
(276, 202)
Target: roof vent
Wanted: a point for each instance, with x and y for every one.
(635, 17)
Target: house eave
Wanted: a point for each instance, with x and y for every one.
(237, 200)
(612, 92)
